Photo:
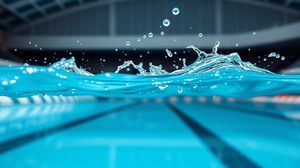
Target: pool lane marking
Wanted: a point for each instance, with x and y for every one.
(27, 138)
(246, 110)
(223, 151)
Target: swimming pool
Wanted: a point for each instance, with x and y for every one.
(150, 133)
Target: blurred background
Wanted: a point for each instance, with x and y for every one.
(40, 32)
(43, 131)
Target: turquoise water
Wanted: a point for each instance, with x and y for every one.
(212, 74)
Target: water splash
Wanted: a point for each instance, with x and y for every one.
(211, 74)
(67, 65)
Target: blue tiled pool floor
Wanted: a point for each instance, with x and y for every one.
(129, 134)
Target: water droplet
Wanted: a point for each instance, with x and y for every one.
(272, 54)
(169, 53)
(200, 35)
(144, 36)
(175, 11)
(150, 34)
(215, 48)
(138, 39)
(166, 22)
(283, 58)
(254, 33)
(162, 33)
(127, 43)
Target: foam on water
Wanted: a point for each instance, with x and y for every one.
(212, 74)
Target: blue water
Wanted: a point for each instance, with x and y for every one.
(212, 74)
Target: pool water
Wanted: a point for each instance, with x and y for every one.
(116, 133)
(211, 74)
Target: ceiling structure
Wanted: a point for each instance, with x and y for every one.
(14, 13)
(113, 22)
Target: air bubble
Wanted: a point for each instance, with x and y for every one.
(200, 35)
(217, 73)
(127, 43)
(180, 89)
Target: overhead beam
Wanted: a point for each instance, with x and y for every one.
(288, 2)
(60, 4)
(65, 12)
(13, 11)
(33, 2)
